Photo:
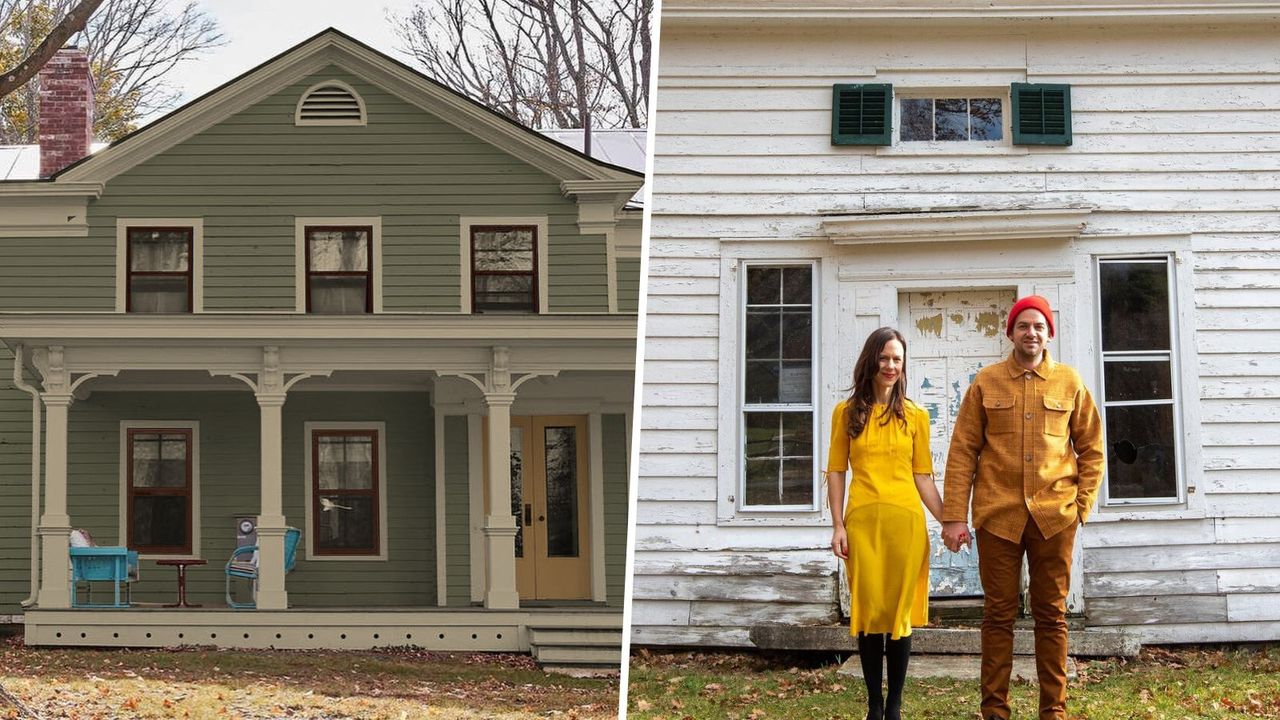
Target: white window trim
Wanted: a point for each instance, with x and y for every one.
(197, 256)
(297, 110)
(125, 473)
(465, 224)
(736, 467)
(1004, 146)
(300, 225)
(1179, 435)
(309, 429)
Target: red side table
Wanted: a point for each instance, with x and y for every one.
(182, 564)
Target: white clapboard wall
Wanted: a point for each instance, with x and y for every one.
(1176, 148)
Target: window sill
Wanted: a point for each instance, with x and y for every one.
(949, 149)
(1170, 511)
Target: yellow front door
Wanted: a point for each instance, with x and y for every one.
(549, 499)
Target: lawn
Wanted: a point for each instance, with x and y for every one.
(202, 683)
(1161, 684)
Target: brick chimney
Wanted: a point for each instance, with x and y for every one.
(66, 110)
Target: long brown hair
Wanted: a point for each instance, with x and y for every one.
(862, 396)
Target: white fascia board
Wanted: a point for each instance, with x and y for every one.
(256, 328)
(702, 11)
(951, 226)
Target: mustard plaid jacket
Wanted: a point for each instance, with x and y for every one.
(1026, 443)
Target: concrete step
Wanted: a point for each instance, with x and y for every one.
(941, 641)
(577, 651)
(959, 667)
(575, 655)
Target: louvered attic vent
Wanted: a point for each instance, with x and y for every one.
(862, 114)
(330, 103)
(1041, 114)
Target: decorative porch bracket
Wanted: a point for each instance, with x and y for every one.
(598, 205)
(499, 524)
(271, 389)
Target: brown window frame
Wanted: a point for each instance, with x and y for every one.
(186, 491)
(367, 272)
(130, 272)
(373, 493)
(533, 287)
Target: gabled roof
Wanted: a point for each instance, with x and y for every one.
(332, 47)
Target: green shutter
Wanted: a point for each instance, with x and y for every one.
(862, 115)
(1041, 114)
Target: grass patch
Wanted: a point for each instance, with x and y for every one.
(205, 682)
(1161, 684)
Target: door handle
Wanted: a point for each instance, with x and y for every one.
(528, 514)
(542, 518)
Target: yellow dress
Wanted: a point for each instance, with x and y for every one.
(888, 546)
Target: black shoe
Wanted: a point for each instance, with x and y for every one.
(875, 714)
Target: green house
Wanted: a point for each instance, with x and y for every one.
(335, 296)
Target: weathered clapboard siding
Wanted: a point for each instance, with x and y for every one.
(1172, 139)
(249, 176)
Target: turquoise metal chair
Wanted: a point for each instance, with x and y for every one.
(117, 565)
(240, 566)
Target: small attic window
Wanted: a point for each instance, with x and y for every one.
(331, 102)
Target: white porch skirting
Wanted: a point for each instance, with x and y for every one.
(443, 629)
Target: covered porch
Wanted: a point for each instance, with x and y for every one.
(453, 551)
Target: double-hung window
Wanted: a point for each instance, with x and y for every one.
(160, 489)
(339, 275)
(778, 419)
(158, 264)
(1139, 373)
(504, 268)
(346, 492)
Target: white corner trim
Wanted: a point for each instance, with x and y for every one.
(300, 225)
(595, 448)
(197, 255)
(297, 110)
(955, 226)
(307, 429)
(475, 499)
(122, 527)
(442, 566)
(465, 224)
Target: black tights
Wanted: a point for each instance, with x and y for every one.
(872, 651)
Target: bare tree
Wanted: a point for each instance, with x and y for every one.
(73, 23)
(543, 63)
(132, 46)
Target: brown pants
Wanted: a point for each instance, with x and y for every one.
(1000, 566)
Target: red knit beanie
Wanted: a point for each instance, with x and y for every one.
(1030, 302)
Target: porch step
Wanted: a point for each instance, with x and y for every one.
(577, 651)
(942, 641)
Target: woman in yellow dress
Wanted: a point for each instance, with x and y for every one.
(881, 536)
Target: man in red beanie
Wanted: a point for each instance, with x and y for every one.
(1027, 448)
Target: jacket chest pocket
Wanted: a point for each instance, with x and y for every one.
(1057, 416)
(1002, 414)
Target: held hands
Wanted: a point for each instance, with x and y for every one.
(955, 534)
(840, 543)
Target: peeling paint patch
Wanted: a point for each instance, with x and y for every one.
(931, 325)
(988, 323)
(957, 319)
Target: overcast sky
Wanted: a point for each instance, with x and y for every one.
(257, 30)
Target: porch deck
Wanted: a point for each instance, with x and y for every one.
(352, 628)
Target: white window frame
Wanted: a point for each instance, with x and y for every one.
(465, 224)
(1175, 361)
(197, 256)
(309, 429)
(122, 537)
(741, 406)
(300, 225)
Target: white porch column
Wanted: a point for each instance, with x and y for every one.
(271, 521)
(499, 524)
(55, 524)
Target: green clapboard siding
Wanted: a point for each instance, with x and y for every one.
(457, 507)
(15, 489)
(616, 517)
(249, 176)
(229, 467)
(628, 270)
